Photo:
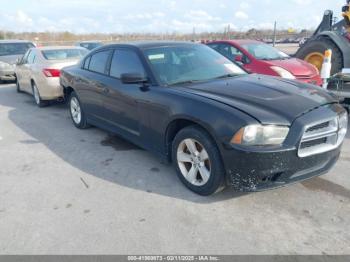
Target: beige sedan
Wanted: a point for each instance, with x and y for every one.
(38, 71)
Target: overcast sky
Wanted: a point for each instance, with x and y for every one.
(120, 16)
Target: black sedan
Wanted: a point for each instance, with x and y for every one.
(217, 124)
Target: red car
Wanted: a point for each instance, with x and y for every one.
(258, 57)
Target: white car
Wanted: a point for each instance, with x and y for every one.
(38, 71)
(10, 51)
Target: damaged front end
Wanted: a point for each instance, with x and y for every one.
(311, 149)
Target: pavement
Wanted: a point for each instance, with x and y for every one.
(68, 191)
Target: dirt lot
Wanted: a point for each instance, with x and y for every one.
(289, 49)
(67, 191)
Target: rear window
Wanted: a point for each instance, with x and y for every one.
(63, 54)
(7, 49)
(90, 46)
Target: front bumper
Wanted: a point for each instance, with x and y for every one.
(260, 168)
(261, 171)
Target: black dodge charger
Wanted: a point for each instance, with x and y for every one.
(217, 124)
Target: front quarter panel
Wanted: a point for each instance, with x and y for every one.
(168, 105)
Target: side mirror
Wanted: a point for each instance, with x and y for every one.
(18, 61)
(133, 78)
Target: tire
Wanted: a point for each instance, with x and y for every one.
(76, 112)
(36, 95)
(207, 184)
(320, 45)
(18, 87)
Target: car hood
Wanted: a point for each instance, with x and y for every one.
(10, 59)
(296, 66)
(268, 99)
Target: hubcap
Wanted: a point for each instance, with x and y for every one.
(193, 161)
(315, 59)
(75, 110)
(36, 95)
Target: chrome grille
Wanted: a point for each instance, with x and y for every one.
(312, 143)
(317, 127)
(320, 137)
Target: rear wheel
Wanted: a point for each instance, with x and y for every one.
(76, 112)
(37, 99)
(18, 87)
(313, 52)
(197, 161)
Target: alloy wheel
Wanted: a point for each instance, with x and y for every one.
(36, 95)
(194, 162)
(75, 110)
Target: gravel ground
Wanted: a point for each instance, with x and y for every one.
(67, 191)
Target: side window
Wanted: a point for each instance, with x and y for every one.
(31, 57)
(235, 52)
(214, 46)
(98, 61)
(86, 63)
(125, 61)
(230, 52)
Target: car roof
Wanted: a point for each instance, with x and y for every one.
(150, 44)
(238, 41)
(11, 41)
(58, 47)
(89, 41)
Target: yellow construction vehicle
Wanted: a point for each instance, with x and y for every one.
(329, 35)
(346, 15)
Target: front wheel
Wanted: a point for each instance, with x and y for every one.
(76, 112)
(197, 161)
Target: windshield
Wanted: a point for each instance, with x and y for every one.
(263, 51)
(63, 54)
(7, 49)
(189, 63)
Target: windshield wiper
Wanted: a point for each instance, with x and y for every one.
(226, 76)
(184, 82)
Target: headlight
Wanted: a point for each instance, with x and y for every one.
(282, 72)
(343, 127)
(259, 135)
